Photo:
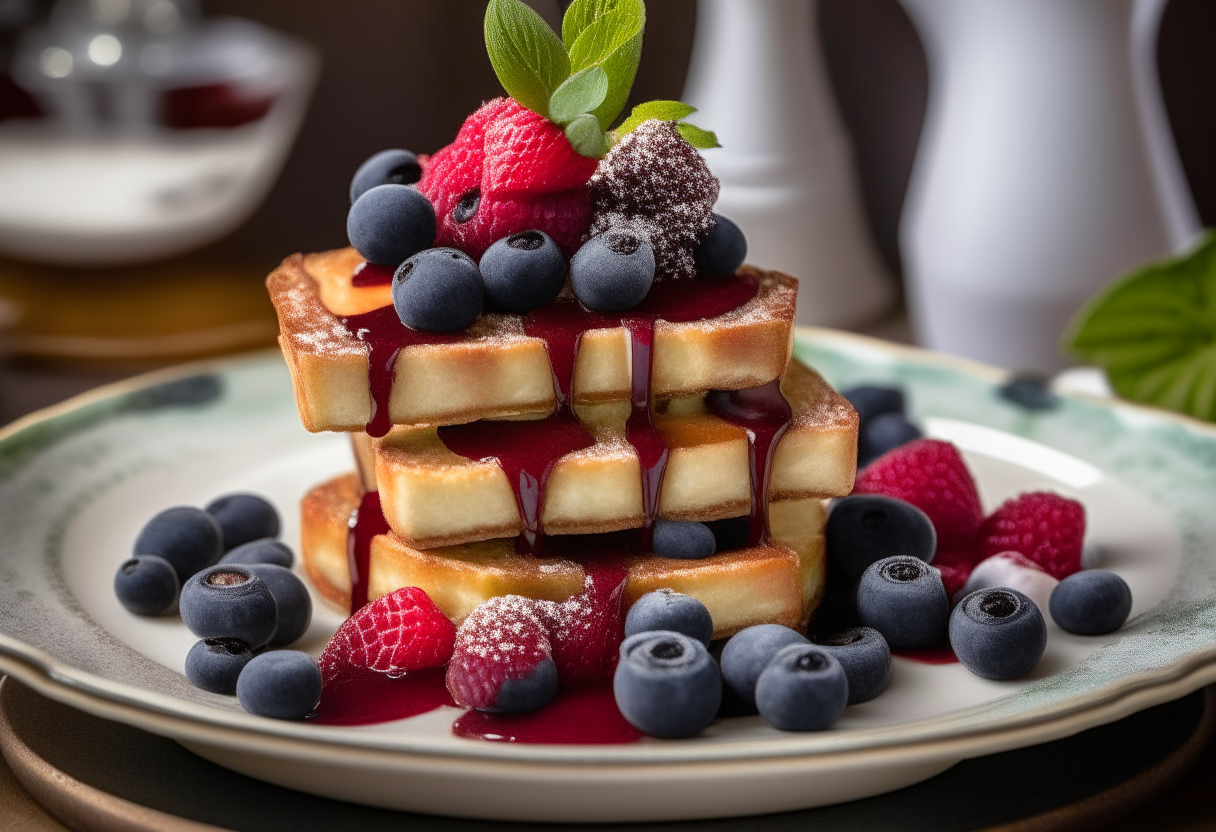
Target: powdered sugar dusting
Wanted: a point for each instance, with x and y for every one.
(503, 638)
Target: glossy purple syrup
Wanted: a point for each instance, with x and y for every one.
(640, 431)
(579, 715)
(369, 274)
(764, 414)
(932, 655)
(367, 522)
(364, 697)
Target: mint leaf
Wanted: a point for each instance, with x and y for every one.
(581, 93)
(528, 58)
(586, 137)
(1154, 332)
(697, 136)
(662, 110)
(606, 33)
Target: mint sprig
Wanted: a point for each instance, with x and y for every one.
(528, 57)
(581, 93)
(667, 111)
(608, 34)
(1154, 332)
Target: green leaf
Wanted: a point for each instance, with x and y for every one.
(528, 57)
(697, 136)
(586, 137)
(1154, 332)
(581, 93)
(662, 110)
(606, 33)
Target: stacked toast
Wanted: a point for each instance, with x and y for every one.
(490, 461)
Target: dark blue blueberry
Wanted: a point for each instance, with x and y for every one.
(866, 659)
(904, 599)
(1091, 602)
(803, 688)
(749, 651)
(884, 433)
(266, 550)
(244, 518)
(683, 539)
(723, 250)
(731, 533)
(1030, 391)
(147, 585)
(870, 400)
(187, 537)
(518, 696)
(998, 633)
(438, 290)
(866, 528)
(281, 684)
(229, 601)
(665, 609)
(612, 272)
(523, 271)
(215, 663)
(390, 223)
(388, 167)
(667, 684)
(291, 600)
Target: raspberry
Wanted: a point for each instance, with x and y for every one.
(587, 629)
(931, 475)
(394, 634)
(1045, 527)
(514, 171)
(954, 570)
(503, 638)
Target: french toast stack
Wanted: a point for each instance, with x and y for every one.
(491, 460)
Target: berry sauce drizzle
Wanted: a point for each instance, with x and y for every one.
(369, 274)
(932, 655)
(764, 414)
(364, 697)
(577, 715)
(640, 431)
(366, 522)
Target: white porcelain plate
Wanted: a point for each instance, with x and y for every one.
(78, 481)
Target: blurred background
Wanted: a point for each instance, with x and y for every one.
(405, 73)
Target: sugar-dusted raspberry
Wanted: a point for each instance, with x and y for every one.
(654, 182)
(931, 475)
(1045, 527)
(504, 640)
(587, 629)
(508, 170)
(394, 634)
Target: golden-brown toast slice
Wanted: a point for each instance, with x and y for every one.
(495, 369)
(778, 583)
(433, 497)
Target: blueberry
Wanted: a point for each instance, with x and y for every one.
(438, 290)
(1091, 603)
(244, 518)
(904, 599)
(884, 433)
(187, 537)
(229, 601)
(866, 528)
(866, 659)
(749, 651)
(517, 696)
(215, 663)
(613, 272)
(870, 400)
(390, 223)
(683, 539)
(667, 684)
(265, 550)
(665, 609)
(281, 684)
(803, 688)
(147, 585)
(523, 271)
(291, 600)
(998, 633)
(723, 250)
(388, 167)
(1030, 391)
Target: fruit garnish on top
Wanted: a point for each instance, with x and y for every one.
(540, 187)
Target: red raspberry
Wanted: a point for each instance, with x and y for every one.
(503, 638)
(588, 628)
(931, 475)
(1045, 527)
(394, 634)
(955, 567)
(525, 175)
